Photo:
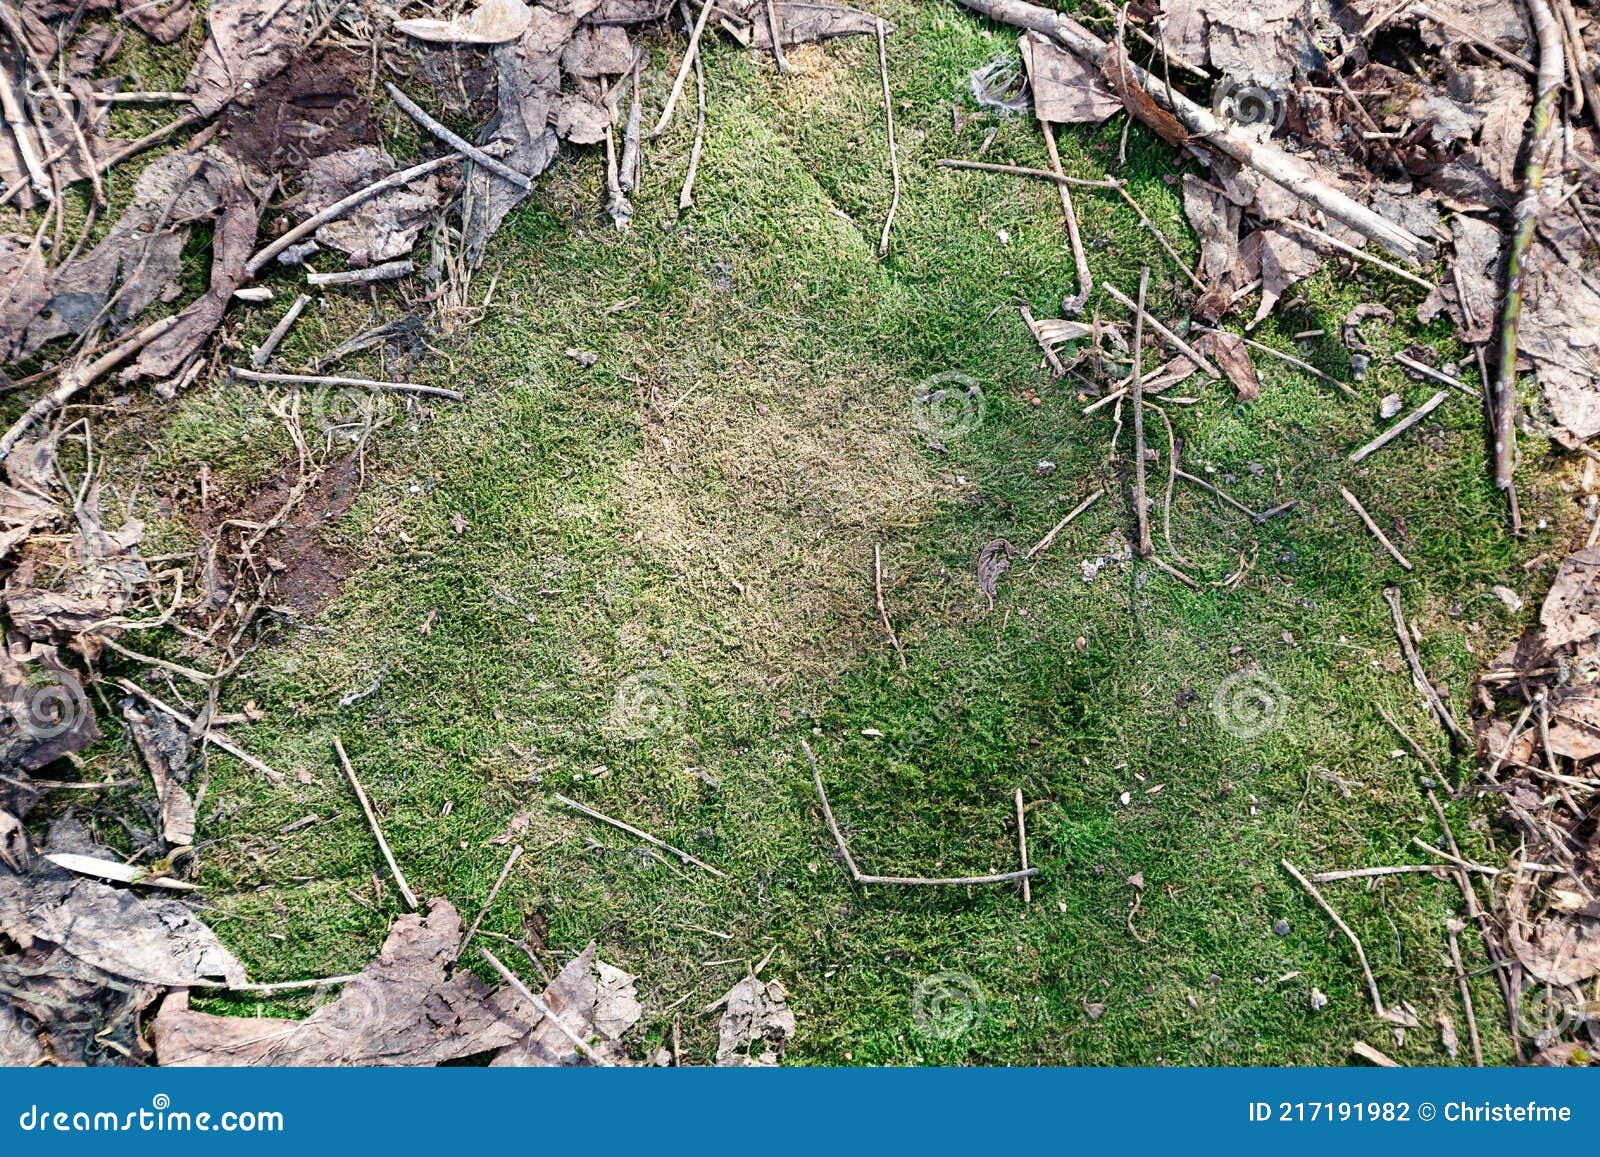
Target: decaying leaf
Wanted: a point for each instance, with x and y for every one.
(410, 1006)
(1065, 89)
(1477, 268)
(756, 1024)
(1233, 359)
(155, 940)
(1279, 258)
(168, 754)
(45, 711)
(1555, 947)
(1560, 334)
(993, 561)
(381, 228)
(594, 1001)
(492, 22)
(1571, 611)
(249, 41)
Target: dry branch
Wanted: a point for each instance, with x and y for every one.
(344, 383)
(883, 612)
(1401, 426)
(888, 121)
(1361, 953)
(476, 155)
(406, 893)
(633, 831)
(1419, 677)
(1372, 528)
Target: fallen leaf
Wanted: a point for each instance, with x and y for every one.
(492, 22)
(756, 1024)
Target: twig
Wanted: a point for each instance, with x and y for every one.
(78, 376)
(683, 69)
(1427, 371)
(37, 177)
(476, 155)
(516, 854)
(860, 877)
(1050, 356)
(43, 69)
(1419, 677)
(1401, 426)
(1149, 227)
(1464, 865)
(1367, 1053)
(278, 986)
(342, 206)
(207, 735)
(883, 613)
(1239, 144)
(1172, 339)
(1022, 847)
(350, 383)
(1453, 926)
(1172, 485)
(1173, 571)
(1024, 171)
(1367, 873)
(387, 271)
(1361, 953)
(686, 194)
(1223, 495)
(1136, 391)
(1360, 254)
(1416, 748)
(542, 1008)
(1297, 363)
(645, 836)
(406, 893)
(262, 354)
(1044, 543)
(1372, 527)
(1552, 70)
(1070, 306)
(888, 121)
(775, 30)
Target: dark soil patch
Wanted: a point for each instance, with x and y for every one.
(308, 110)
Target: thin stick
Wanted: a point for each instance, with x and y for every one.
(406, 893)
(1367, 1053)
(1464, 865)
(1552, 70)
(1149, 227)
(516, 854)
(262, 354)
(1173, 571)
(1428, 371)
(387, 271)
(883, 613)
(1172, 485)
(683, 69)
(860, 877)
(150, 139)
(1360, 254)
(1044, 543)
(542, 1008)
(1297, 363)
(215, 738)
(1419, 677)
(1416, 748)
(645, 836)
(54, 93)
(1172, 339)
(775, 30)
(1402, 426)
(888, 121)
(37, 177)
(1452, 927)
(1022, 847)
(686, 195)
(1069, 213)
(476, 155)
(1223, 495)
(79, 376)
(1367, 873)
(1136, 391)
(280, 985)
(1361, 953)
(1372, 527)
(351, 383)
(342, 206)
(1024, 171)
(1055, 363)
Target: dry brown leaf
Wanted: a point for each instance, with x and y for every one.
(756, 1024)
(381, 228)
(594, 1001)
(249, 41)
(1233, 359)
(1065, 89)
(1571, 610)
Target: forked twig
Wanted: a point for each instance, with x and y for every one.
(1419, 677)
(1361, 953)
